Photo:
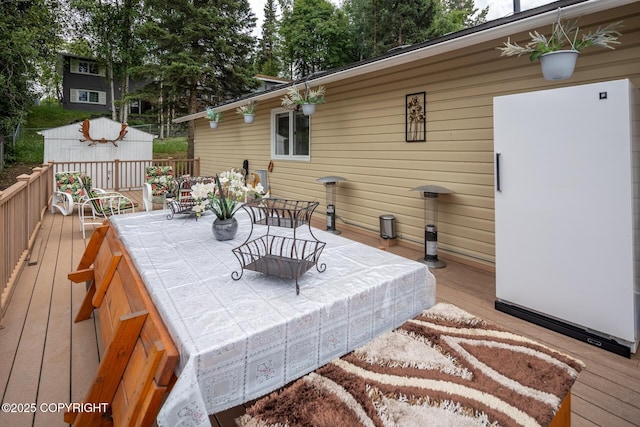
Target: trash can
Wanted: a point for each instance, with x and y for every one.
(387, 226)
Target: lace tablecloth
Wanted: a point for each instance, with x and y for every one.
(239, 340)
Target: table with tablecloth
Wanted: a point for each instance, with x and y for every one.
(241, 339)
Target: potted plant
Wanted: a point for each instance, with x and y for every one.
(228, 192)
(200, 197)
(214, 117)
(248, 110)
(308, 100)
(558, 52)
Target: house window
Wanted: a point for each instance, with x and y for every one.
(86, 67)
(290, 135)
(84, 96)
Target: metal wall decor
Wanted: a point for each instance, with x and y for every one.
(85, 127)
(416, 118)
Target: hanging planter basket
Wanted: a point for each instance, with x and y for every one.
(213, 124)
(248, 118)
(308, 109)
(558, 65)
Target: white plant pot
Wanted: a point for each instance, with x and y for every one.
(248, 118)
(213, 124)
(308, 109)
(558, 65)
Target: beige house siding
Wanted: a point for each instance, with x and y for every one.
(359, 135)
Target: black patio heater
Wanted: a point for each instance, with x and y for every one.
(430, 195)
(330, 184)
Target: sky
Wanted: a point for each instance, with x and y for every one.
(497, 8)
(502, 8)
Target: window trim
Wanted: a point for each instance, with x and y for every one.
(74, 67)
(274, 156)
(74, 96)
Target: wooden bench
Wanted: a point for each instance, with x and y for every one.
(137, 368)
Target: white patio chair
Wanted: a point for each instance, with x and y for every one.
(100, 205)
(68, 191)
(159, 182)
(147, 197)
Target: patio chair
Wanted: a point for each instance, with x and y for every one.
(159, 182)
(100, 205)
(182, 201)
(68, 191)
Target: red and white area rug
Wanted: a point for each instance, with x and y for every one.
(444, 367)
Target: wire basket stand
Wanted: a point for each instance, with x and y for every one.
(282, 256)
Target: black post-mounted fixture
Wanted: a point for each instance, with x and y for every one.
(430, 195)
(330, 184)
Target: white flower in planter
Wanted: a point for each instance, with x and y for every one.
(309, 96)
(564, 40)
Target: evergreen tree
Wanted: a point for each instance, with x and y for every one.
(267, 57)
(400, 22)
(361, 21)
(109, 26)
(472, 15)
(380, 25)
(316, 37)
(28, 42)
(199, 52)
(456, 15)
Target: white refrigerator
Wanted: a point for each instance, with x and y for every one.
(566, 211)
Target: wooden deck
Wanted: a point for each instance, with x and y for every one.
(47, 359)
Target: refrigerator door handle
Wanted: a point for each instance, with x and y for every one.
(498, 189)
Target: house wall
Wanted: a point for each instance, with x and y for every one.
(359, 135)
(93, 82)
(73, 80)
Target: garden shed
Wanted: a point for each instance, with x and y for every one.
(96, 140)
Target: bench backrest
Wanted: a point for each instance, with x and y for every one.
(137, 369)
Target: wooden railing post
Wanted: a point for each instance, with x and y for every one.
(26, 210)
(36, 190)
(21, 206)
(116, 174)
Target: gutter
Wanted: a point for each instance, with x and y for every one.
(499, 28)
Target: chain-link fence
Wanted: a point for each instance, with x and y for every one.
(1, 154)
(173, 131)
(3, 144)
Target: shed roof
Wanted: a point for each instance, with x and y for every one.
(495, 29)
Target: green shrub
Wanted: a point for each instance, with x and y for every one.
(170, 145)
(50, 116)
(29, 148)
